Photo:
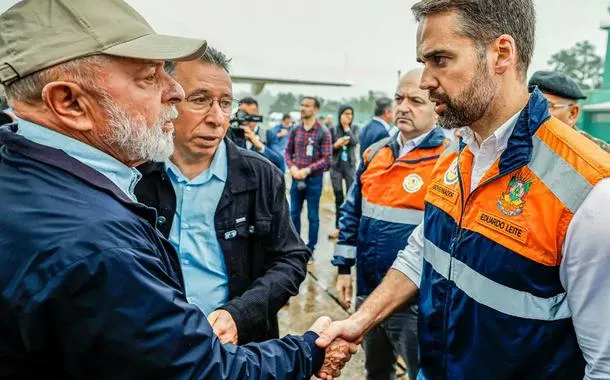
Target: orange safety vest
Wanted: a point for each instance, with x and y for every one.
(491, 302)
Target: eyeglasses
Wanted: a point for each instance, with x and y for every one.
(560, 105)
(203, 103)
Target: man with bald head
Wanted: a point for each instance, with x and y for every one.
(387, 201)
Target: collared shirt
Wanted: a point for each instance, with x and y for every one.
(488, 152)
(124, 177)
(411, 144)
(193, 233)
(583, 270)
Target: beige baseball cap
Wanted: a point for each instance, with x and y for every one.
(37, 34)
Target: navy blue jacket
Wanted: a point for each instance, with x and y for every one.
(277, 143)
(372, 133)
(270, 154)
(91, 290)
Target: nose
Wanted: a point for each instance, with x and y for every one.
(215, 116)
(427, 81)
(174, 93)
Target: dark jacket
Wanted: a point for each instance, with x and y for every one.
(90, 290)
(372, 133)
(337, 132)
(237, 137)
(266, 259)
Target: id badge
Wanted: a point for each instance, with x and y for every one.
(344, 155)
(309, 150)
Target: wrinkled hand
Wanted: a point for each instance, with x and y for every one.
(224, 326)
(337, 353)
(344, 290)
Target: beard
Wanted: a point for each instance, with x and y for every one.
(471, 104)
(134, 138)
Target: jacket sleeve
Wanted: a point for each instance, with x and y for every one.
(119, 314)
(349, 223)
(274, 157)
(271, 136)
(286, 262)
(354, 134)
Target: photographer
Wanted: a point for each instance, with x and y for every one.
(244, 132)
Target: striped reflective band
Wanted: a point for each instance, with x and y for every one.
(491, 294)
(391, 214)
(558, 175)
(346, 251)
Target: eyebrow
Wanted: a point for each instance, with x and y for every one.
(203, 91)
(431, 54)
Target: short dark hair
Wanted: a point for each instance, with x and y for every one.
(286, 117)
(485, 20)
(211, 55)
(316, 102)
(382, 105)
(248, 100)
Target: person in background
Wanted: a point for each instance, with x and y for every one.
(308, 155)
(343, 166)
(247, 136)
(383, 207)
(330, 121)
(224, 210)
(277, 137)
(381, 125)
(563, 94)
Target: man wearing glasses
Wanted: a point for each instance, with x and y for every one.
(225, 211)
(562, 94)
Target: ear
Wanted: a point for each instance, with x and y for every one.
(505, 52)
(70, 104)
(574, 112)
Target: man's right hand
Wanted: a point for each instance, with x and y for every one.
(337, 353)
(344, 290)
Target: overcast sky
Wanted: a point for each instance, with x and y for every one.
(361, 41)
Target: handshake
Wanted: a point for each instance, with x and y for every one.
(340, 339)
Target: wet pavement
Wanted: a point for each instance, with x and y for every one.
(317, 294)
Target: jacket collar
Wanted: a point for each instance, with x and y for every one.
(240, 177)
(59, 159)
(435, 138)
(518, 152)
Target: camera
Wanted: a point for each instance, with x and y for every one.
(242, 118)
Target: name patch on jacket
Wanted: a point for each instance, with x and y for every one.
(444, 192)
(502, 226)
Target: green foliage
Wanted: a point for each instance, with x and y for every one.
(581, 63)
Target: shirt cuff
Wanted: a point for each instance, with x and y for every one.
(317, 353)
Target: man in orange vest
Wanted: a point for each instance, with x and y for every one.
(386, 204)
(511, 261)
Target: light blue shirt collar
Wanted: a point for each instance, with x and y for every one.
(124, 177)
(218, 168)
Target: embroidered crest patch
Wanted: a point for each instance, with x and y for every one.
(513, 199)
(412, 183)
(451, 175)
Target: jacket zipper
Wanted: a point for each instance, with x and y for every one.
(455, 240)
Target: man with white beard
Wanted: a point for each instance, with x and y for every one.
(88, 287)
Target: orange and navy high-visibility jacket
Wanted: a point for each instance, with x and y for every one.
(491, 302)
(383, 206)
